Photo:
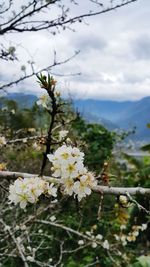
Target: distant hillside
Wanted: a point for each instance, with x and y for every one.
(23, 100)
(124, 115)
(112, 114)
(109, 110)
(97, 119)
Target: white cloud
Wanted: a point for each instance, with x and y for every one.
(114, 58)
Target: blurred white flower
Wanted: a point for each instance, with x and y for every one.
(62, 134)
(94, 245)
(124, 243)
(135, 233)
(122, 227)
(105, 244)
(52, 218)
(81, 242)
(99, 237)
(43, 101)
(29, 248)
(7, 228)
(13, 111)
(30, 258)
(123, 200)
(116, 237)
(17, 227)
(23, 227)
(143, 227)
(88, 233)
(131, 237)
(36, 146)
(52, 190)
(2, 141)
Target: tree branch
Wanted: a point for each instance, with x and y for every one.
(106, 190)
(17, 24)
(34, 73)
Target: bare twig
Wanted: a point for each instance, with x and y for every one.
(34, 73)
(140, 207)
(20, 22)
(16, 243)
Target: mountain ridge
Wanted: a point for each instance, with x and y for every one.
(112, 114)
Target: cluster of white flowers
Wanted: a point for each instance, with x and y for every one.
(68, 166)
(95, 240)
(2, 141)
(132, 235)
(29, 190)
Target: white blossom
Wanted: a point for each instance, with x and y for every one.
(7, 228)
(63, 134)
(17, 227)
(29, 190)
(143, 227)
(94, 245)
(52, 190)
(99, 237)
(81, 242)
(124, 243)
(30, 258)
(23, 227)
(83, 187)
(135, 233)
(68, 184)
(105, 244)
(122, 227)
(36, 146)
(2, 141)
(116, 237)
(52, 218)
(72, 170)
(123, 199)
(43, 101)
(67, 164)
(88, 233)
(123, 237)
(13, 111)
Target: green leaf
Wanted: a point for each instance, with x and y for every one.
(144, 261)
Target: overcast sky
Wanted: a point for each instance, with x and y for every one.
(114, 58)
